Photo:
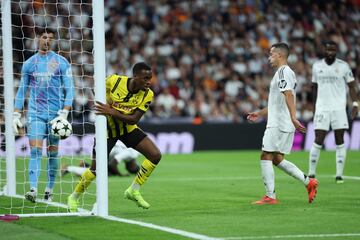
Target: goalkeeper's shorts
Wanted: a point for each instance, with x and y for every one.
(38, 128)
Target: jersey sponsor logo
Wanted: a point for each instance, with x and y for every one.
(119, 106)
(282, 84)
(42, 76)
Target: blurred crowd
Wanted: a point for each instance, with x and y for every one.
(209, 56)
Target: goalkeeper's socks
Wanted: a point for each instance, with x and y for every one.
(144, 172)
(34, 166)
(86, 178)
(52, 168)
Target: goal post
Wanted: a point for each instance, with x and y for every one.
(100, 123)
(10, 185)
(87, 59)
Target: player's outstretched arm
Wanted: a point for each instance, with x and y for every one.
(254, 116)
(289, 99)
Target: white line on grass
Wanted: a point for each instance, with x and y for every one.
(352, 177)
(162, 228)
(219, 178)
(340, 235)
(83, 212)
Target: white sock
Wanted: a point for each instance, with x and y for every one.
(314, 158)
(76, 170)
(293, 170)
(135, 186)
(75, 195)
(267, 172)
(340, 159)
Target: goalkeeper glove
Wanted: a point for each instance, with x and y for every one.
(17, 122)
(62, 114)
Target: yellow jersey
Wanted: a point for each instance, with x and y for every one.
(119, 97)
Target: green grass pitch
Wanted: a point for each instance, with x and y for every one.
(207, 193)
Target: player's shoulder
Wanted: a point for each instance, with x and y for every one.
(285, 71)
(115, 77)
(31, 61)
(341, 62)
(60, 57)
(318, 63)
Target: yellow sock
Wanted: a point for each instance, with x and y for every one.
(145, 171)
(86, 178)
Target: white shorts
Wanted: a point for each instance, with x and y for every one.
(275, 140)
(336, 119)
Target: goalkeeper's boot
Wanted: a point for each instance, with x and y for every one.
(48, 197)
(266, 200)
(312, 189)
(31, 196)
(72, 204)
(135, 196)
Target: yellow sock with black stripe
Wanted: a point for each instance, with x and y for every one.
(86, 178)
(144, 172)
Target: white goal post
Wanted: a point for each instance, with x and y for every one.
(9, 185)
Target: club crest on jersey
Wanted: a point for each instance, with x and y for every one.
(282, 84)
(53, 65)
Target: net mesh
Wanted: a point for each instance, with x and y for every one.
(73, 24)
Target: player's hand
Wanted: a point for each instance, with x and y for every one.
(17, 122)
(62, 114)
(103, 109)
(354, 112)
(298, 126)
(253, 116)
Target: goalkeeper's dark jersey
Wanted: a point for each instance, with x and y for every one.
(119, 97)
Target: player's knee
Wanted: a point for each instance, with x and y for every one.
(155, 157)
(35, 152)
(52, 154)
(339, 141)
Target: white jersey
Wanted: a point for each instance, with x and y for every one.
(278, 112)
(331, 80)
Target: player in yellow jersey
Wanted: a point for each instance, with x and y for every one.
(127, 99)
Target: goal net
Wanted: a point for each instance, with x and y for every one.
(72, 21)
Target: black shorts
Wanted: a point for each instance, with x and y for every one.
(131, 139)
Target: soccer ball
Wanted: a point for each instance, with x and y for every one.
(61, 128)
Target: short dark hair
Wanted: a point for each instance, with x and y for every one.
(283, 47)
(41, 30)
(138, 67)
(330, 43)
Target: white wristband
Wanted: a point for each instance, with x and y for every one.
(355, 104)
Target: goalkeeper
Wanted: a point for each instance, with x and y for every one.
(48, 77)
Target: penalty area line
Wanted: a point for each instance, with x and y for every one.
(162, 228)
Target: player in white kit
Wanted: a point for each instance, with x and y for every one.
(119, 153)
(280, 128)
(330, 77)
